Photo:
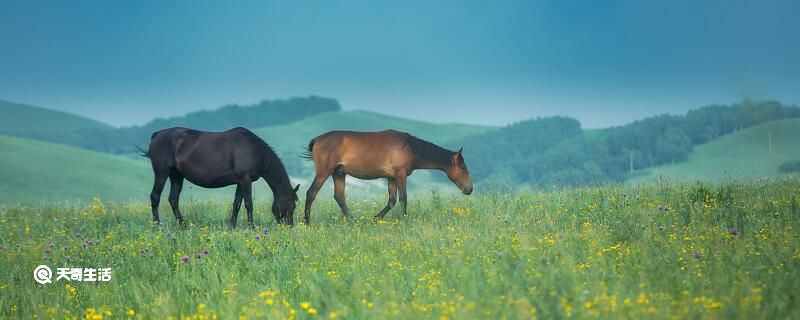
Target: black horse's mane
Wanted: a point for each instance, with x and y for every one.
(428, 152)
(276, 169)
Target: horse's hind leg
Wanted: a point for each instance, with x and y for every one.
(155, 195)
(312, 193)
(338, 193)
(176, 184)
(247, 193)
(392, 198)
(401, 189)
(237, 204)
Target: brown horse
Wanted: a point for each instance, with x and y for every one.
(371, 155)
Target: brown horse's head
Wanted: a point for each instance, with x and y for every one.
(284, 204)
(458, 173)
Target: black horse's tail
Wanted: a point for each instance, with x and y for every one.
(308, 154)
(142, 152)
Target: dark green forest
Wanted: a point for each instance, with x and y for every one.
(556, 151)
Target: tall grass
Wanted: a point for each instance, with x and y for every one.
(665, 250)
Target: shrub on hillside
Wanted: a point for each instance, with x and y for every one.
(789, 166)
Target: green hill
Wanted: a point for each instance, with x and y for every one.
(33, 171)
(36, 171)
(745, 153)
(24, 120)
(294, 137)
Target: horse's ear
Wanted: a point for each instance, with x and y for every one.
(459, 150)
(296, 188)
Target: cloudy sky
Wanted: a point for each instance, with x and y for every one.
(487, 62)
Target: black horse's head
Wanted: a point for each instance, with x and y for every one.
(283, 206)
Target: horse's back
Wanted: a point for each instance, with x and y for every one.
(219, 146)
(359, 141)
(365, 155)
(385, 135)
(175, 137)
(209, 159)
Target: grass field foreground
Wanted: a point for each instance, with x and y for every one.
(729, 250)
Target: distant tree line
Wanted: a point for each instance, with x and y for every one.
(556, 151)
(263, 114)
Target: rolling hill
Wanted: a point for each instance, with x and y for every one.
(24, 120)
(41, 172)
(745, 153)
(38, 171)
(294, 137)
(35, 171)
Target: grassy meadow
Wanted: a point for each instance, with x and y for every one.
(660, 250)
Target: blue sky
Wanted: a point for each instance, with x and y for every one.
(489, 62)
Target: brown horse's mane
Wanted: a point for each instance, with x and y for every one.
(428, 153)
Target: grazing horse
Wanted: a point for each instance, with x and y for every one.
(215, 160)
(371, 155)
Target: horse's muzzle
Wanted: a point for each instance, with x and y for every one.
(289, 221)
(467, 190)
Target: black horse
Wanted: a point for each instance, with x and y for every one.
(215, 160)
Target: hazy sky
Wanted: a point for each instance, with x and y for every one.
(489, 62)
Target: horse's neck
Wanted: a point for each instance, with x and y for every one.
(428, 155)
(429, 164)
(278, 186)
(277, 180)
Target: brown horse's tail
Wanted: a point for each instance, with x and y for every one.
(309, 153)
